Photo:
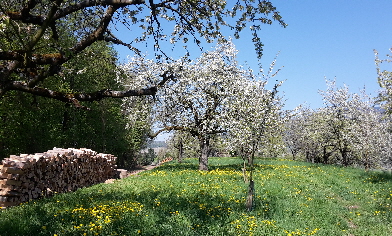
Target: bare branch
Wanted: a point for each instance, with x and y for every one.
(90, 3)
(167, 128)
(98, 33)
(26, 17)
(115, 40)
(75, 98)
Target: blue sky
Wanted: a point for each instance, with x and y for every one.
(324, 39)
(332, 39)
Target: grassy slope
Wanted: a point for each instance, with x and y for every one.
(293, 198)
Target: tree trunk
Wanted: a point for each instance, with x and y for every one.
(244, 173)
(204, 148)
(344, 153)
(250, 201)
(293, 153)
(180, 151)
(325, 156)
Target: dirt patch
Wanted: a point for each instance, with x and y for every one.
(139, 169)
(353, 207)
(133, 172)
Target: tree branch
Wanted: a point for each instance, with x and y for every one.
(98, 33)
(36, 59)
(115, 40)
(26, 17)
(90, 3)
(45, 24)
(166, 128)
(75, 98)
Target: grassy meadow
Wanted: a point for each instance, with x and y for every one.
(292, 198)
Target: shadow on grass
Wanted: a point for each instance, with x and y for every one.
(193, 165)
(162, 212)
(235, 164)
(175, 166)
(378, 176)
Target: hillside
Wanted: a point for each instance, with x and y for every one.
(293, 198)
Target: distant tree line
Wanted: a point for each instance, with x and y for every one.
(349, 130)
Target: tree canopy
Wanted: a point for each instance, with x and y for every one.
(211, 95)
(37, 38)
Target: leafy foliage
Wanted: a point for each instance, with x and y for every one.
(32, 124)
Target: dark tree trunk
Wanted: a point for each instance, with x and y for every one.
(250, 201)
(204, 148)
(180, 151)
(325, 156)
(294, 154)
(307, 156)
(345, 161)
(344, 153)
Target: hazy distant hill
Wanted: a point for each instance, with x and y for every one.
(157, 144)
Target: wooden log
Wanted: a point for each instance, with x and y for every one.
(9, 187)
(3, 175)
(12, 170)
(24, 198)
(13, 177)
(9, 199)
(10, 182)
(8, 163)
(10, 193)
(8, 204)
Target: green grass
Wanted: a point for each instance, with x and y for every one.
(293, 198)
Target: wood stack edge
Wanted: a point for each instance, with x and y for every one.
(31, 176)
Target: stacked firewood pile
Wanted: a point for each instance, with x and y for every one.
(27, 177)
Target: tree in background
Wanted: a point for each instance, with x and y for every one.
(35, 45)
(137, 113)
(256, 124)
(385, 81)
(32, 124)
(341, 119)
(259, 118)
(349, 130)
(293, 132)
(182, 145)
(199, 100)
(211, 96)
